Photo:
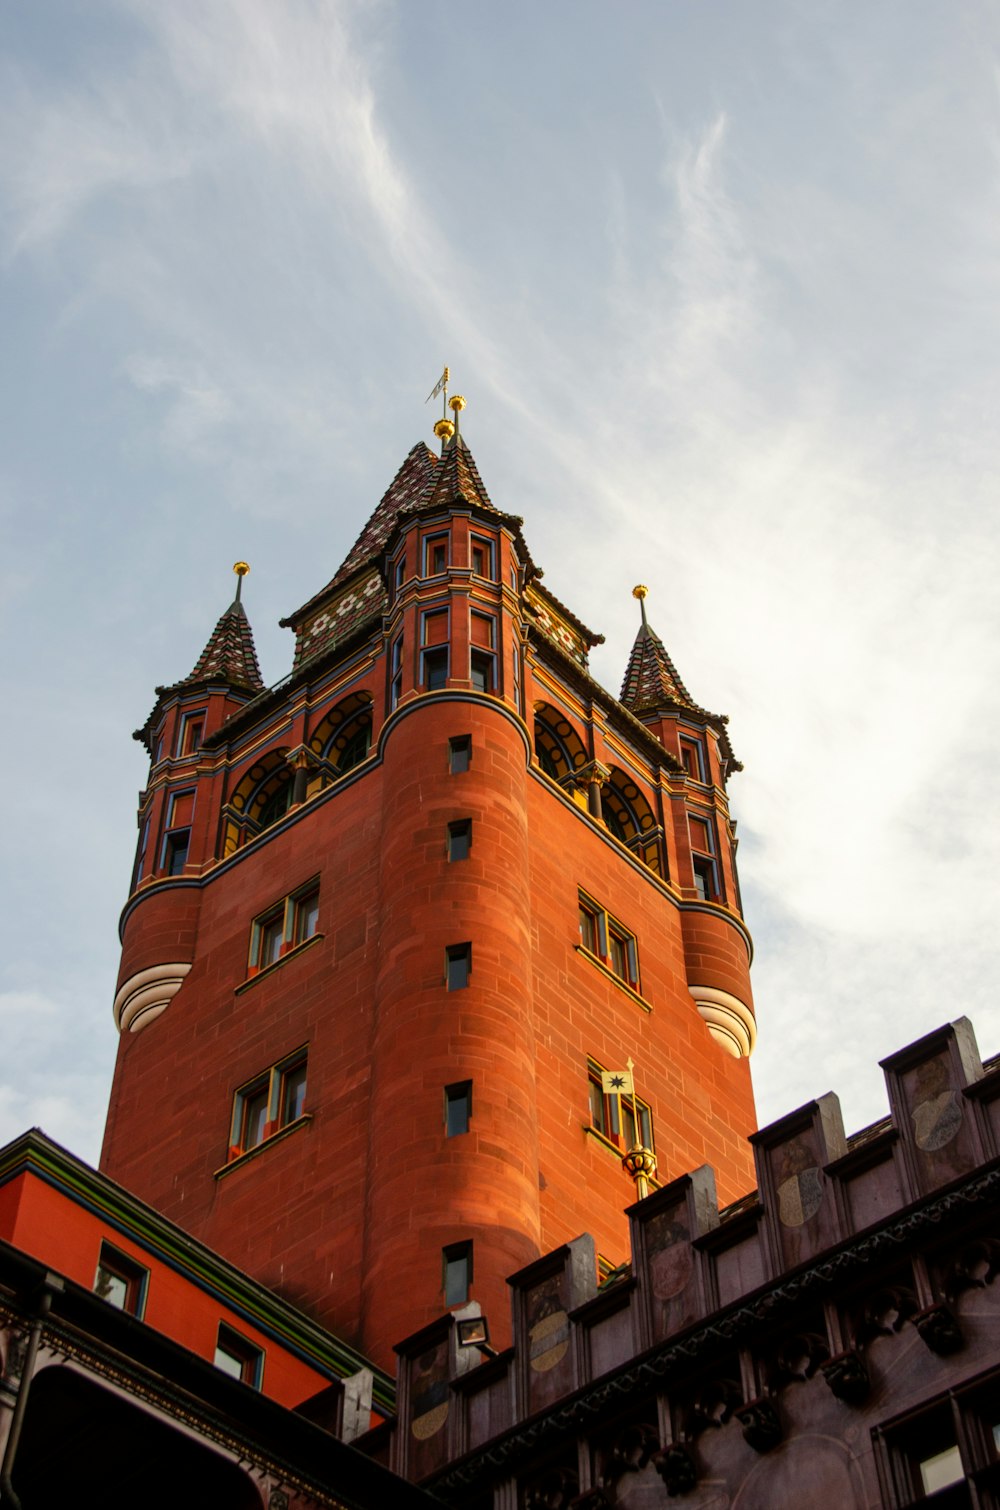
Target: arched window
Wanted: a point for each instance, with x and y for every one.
(558, 746)
(353, 745)
(343, 739)
(630, 819)
(275, 805)
(262, 797)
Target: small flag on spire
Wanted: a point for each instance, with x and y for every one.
(617, 1083)
(439, 386)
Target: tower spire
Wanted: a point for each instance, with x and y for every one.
(230, 653)
(651, 677)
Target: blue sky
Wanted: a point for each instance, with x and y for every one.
(720, 283)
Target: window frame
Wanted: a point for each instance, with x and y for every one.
(486, 545)
(396, 672)
(693, 758)
(190, 732)
(610, 936)
(286, 916)
(176, 848)
(248, 1355)
(273, 1085)
(706, 875)
(133, 1275)
(431, 543)
(486, 669)
(611, 1114)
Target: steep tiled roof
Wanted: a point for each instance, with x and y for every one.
(409, 489)
(458, 478)
(230, 654)
(652, 679)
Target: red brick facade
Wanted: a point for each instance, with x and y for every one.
(435, 630)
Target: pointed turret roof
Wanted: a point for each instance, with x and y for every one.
(458, 479)
(230, 657)
(652, 679)
(408, 490)
(230, 654)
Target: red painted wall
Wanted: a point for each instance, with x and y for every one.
(54, 1229)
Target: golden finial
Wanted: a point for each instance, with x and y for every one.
(456, 402)
(639, 1162)
(444, 429)
(241, 568)
(640, 592)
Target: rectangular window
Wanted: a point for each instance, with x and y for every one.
(396, 683)
(399, 574)
(434, 669)
(458, 966)
(434, 652)
(936, 1453)
(192, 731)
(612, 943)
(175, 851)
(482, 659)
(481, 551)
(703, 859)
(288, 923)
(238, 1357)
(457, 1108)
(121, 1281)
(459, 753)
(268, 1103)
(482, 670)
(693, 758)
(459, 839)
(615, 1117)
(271, 938)
(305, 915)
(435, 555)
(140, 854)
(457, 1277)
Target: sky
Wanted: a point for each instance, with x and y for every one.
(720, 284)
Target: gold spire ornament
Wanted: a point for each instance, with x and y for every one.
(242, 569)
(639, 1162)
(446, 429)
(642, 593)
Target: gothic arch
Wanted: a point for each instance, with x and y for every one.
(558, 746)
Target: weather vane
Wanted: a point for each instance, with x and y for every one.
(445, 428)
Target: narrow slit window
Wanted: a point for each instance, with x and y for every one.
(459, 839)
(458, 966)
(457, 1263)
(457, 1108)
(459, 753)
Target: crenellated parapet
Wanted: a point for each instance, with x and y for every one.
(814, 1315)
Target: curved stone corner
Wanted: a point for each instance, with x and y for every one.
(145, 995)
(729, 1020)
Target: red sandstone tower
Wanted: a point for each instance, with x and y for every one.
(391, 918)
